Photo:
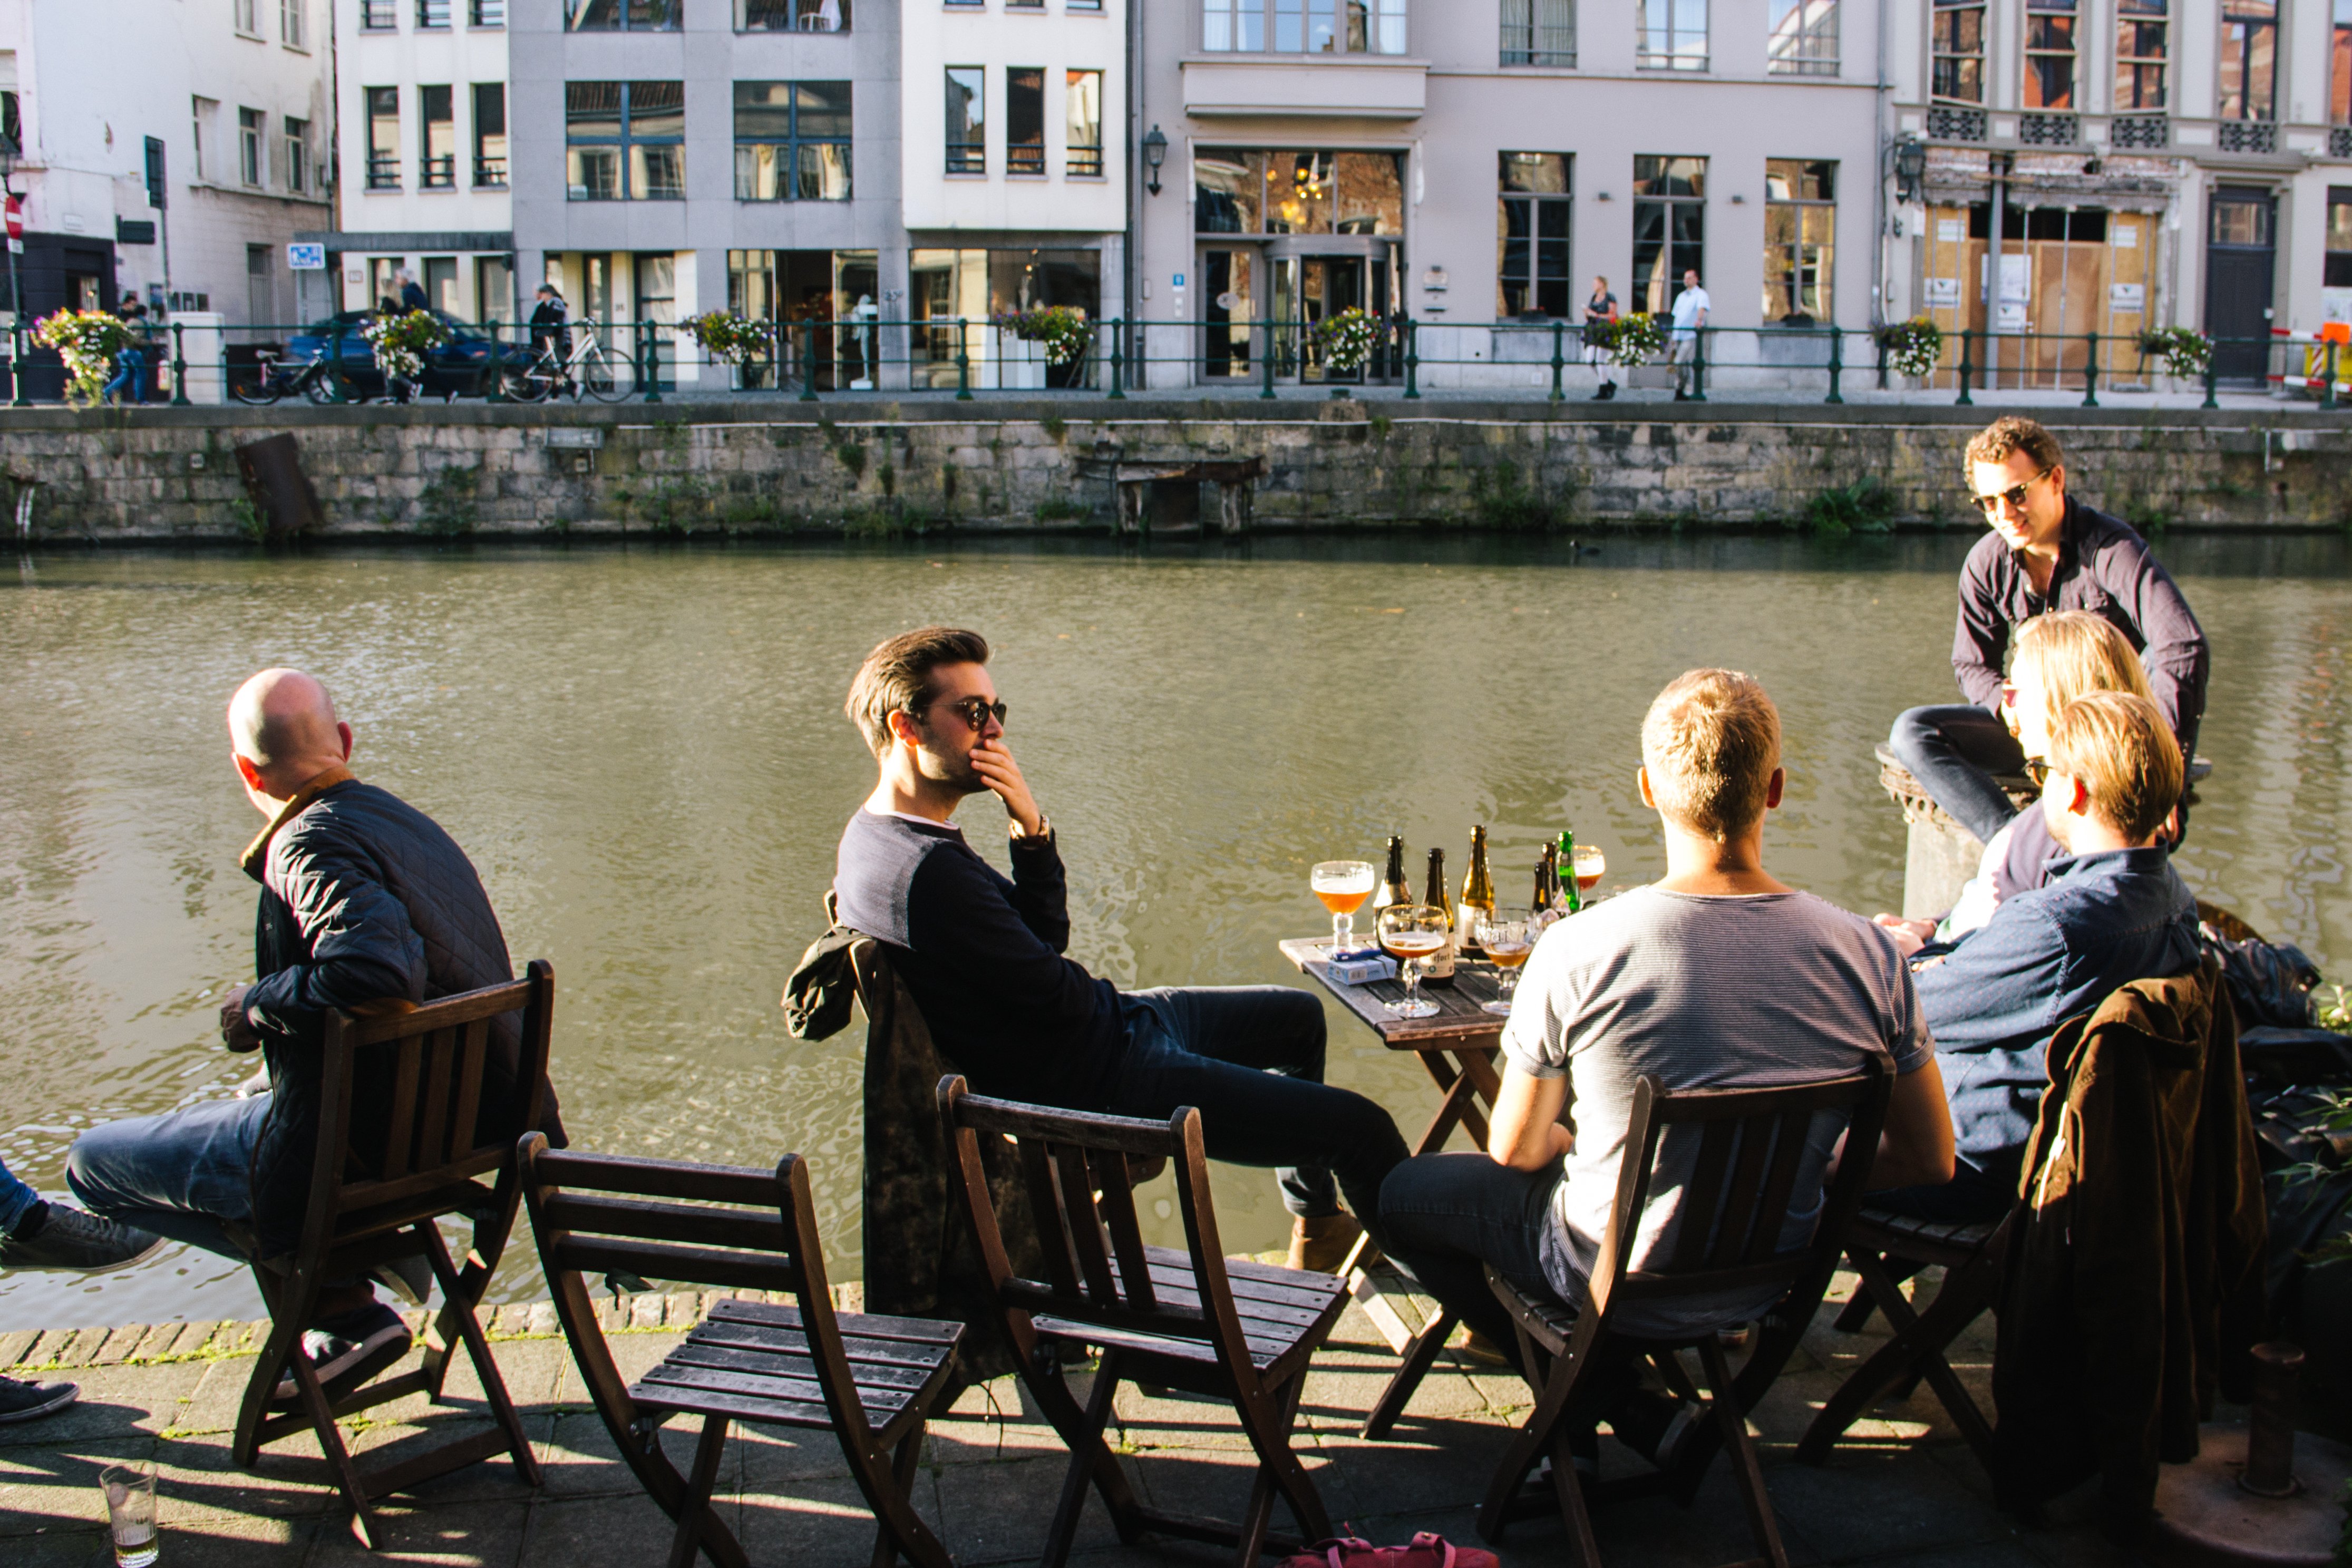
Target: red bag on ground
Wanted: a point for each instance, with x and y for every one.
(1427, 1551)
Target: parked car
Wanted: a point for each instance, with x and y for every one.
(459, 368)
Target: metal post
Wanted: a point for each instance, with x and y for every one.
(1968, 346)
(179, 368)
(2269, 1426)
(1558, 363)
(1411, 357)
(2210, 349)
(1698, 364)
(963, 362)
(1118, 358)
(16, 398)
(1268, 358)
(650, 354)
(498, 391)
(2327, 393)
(338, 389)
(2091, 371)
(808, 362)
(1837, 365)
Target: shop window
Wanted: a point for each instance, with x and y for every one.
(1799, 240)
(1538, 32)
(2339, 273)
(1239, 190)
(490, 135)
(1531, 231)
(1669, 227)
(382, 137)
(622, 15)
(1228, 185)
(792, 16)
(2249, 59)
(1958, 51)
(2049, 53)
(437, 151)
(1672, 35)
(1082, 124)
(1804, 38)
(2142, 54)
(967, 128)
(624, 141)
(1024, 119)
(792, 142)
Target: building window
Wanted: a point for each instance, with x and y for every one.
(1239, 190)
(382, 137)
(1669, 227)
(2339, 87)
(1025, 4)
(1304, 27)
(624, 141)
(967, 131)
(2248, 58)
(251, 126)
(1531, 231)
(433, 16)
(293, 27)
(1024, 119)
(2049, 53)
(792, 16)
(2141, 54)
(792, 142)
(1233, 25)
(620, 16)
(490, 135)
(489, 13)
(379, 15)
(1804, 40)
(1082, 124)
(1538, 32)
(298, 154)
(1799, 239)
(1672, 35)
(2339, 274)
(245, 18)
(12, 125)
(1958, 51)
(201, 111)
(436, 147)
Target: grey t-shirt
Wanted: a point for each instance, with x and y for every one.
(1699, 992)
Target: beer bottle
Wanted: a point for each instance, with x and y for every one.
(1440, 971)
(1564, 869)
(1547, 888)
(1477, 896)
(1393, 888)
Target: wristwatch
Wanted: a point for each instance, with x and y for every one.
(1044, 833)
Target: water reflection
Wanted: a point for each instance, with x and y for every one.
(644, 752)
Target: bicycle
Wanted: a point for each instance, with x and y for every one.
(587, 369)
(314, 379)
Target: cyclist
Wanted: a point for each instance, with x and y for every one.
(550, 332)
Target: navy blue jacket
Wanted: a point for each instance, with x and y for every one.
(2097, 921)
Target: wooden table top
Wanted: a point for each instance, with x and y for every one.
(1462, 1024)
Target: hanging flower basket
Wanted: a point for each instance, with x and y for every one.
(1634, 340)
(1345, 339)
(1912, 348)
(727, 336)
(402, 342)
(2185, 351)
(87, 341)
(1063, 328)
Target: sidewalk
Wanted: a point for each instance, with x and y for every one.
(1904, 1491)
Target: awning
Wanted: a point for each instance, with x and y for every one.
(408, 242)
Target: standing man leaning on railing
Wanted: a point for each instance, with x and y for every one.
(2046, 551)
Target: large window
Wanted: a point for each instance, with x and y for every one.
(1024, 119)
(1804, 38)
(298, 154)
(1538, 32)
(1242, 190)
(1799, 239)
(490, 135)
(2339, 88)
(792, 142)
(2339, 273)
(489, 13)
(2049, 53)
(1958, 51)
(2142, 54)
(252, 125)
(1532, 232)
(624, 141)
(792, 16)
(1304, 27)
(203, 116)
(293, 27)
(382, 137)
(244, 17)
(620, 16)
(1672, 35)
(436, 147)
(379, 15)
(433, 16)
(1669, 227)
(967, 124)
(2249, 59)
(1082, 152)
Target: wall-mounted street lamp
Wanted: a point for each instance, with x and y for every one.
(1155, 153)
(1910, 168)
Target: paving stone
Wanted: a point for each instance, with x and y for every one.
(15, 1344)
(645, 1311)
(83, 1348)
(543, 1320)
(1000, 1513)
(54, 1486)
(628, 1531)
(1915, 1504)
(156, 1343)
(118, 1345)
(116, 1402)
(470, 1537)
(193, 1337)
(774, 1460)
(494, 1480)
(819, 1524)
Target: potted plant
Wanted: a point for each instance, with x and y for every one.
(728, 338)
(401, 343)
(1344, 338)
(1634, 340)
(1060, 334)
(1912, 348)
(2183, 351)
(88, 341)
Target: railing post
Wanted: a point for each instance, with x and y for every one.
(498, 392)
(652, 330)
(1968, 367)
(1267, 358)
(808, 362)
(2210, 376)
(179, 369)
(1837, 365)
(1698, 364)
(1559, 361)
(2091, 371)
(16, 398)
(1118, 358)
(339, 390)
(1411, 357)
(964, 361)
(2327, 393)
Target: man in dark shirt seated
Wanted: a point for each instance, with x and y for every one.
(2046, 551)
(2110, 912)
(982, 956)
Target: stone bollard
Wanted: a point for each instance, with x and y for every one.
(2259, 1494)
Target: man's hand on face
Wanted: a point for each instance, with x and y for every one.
(237, 1029)
(992, 760)
(1909, 935)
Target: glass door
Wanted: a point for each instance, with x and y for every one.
(1229, 291)
(657, 305)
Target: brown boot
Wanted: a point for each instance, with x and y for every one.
(1320, 1245)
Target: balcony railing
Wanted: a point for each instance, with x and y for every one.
(491, 174)
(383, 172)
(2049, 129)
(1946, 123)
(1085, 161)
(1026, 158)
(2247, 136)
(2139, 130)
(438, 174)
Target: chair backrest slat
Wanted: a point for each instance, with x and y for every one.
(1740, 1208)
(1702, 1194)
(433, 1115)
(584, 1215)
(400, 1132)
(1069, 1161)
(1779, 1186)
(738, 1270)
(473, 1056)
(1112, 1180)
(1045, 1214)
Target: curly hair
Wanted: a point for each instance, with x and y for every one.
(2011, 433)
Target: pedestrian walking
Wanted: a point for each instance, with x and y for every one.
(1691, 307)
(1600, 339)
(130, 363)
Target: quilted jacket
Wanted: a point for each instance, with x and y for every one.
(368, 906)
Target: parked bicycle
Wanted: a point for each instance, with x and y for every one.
(586, 370)
(313, 378)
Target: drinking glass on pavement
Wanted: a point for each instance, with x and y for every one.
(1412, 933)
(1343, 886)
(131, 1511)
(1508, 936)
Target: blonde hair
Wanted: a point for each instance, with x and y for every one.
(1710, 743)
(2075, 653)
(2119, 747)
(897, 677)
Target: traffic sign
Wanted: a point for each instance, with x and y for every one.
(16, 226)
(306, 258)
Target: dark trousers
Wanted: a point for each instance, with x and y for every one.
(1446, 1216)
(1954, 752)
(1250, 1060)
(1971, 1195)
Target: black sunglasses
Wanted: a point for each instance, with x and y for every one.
(976, 711)
(2037, 771)
(2014, 495)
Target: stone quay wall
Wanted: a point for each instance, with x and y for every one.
(775, 467)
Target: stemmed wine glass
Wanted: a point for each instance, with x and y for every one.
(1588, 865)
(1508, 936)
(1410, 932)
(1342, 885)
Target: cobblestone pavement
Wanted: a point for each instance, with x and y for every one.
(1903, 1489)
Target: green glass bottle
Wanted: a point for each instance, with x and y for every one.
(1570, 900)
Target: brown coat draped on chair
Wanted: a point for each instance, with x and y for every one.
(2134, 1283)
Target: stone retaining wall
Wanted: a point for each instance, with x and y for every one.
(778, 466)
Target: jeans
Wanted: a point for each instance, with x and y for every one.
(1446, 1216)
(130, 374)
(181, 1175)
(1686, 355)
(1971, 1195)
(1250, 1060)
(15, 1198)
(1954, 752)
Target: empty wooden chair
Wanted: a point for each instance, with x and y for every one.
(1194, 1320)
(1735, 1205)
(869, 1380)
(375, 1199)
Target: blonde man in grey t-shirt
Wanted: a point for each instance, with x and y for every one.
(1717, 976)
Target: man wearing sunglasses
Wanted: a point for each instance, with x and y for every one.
(2046, 550)
(982, 956)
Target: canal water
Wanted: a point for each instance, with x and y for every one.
(644, 751)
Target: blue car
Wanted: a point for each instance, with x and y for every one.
(459, 368)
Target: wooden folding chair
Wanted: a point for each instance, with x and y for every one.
(370, 1206)
(1194, 1320)
(870, 1381)
(1750, 1145)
